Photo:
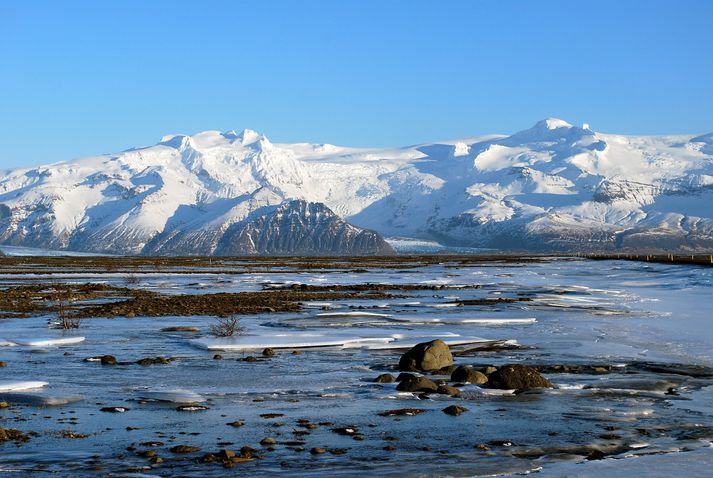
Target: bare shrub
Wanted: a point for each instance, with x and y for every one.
(65, 320)
(226, 327)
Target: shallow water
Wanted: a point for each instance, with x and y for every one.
(613, 313)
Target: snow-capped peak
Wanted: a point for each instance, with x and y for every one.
(552, 123)
(552, 182)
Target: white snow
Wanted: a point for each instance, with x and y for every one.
(553, 177)
(174, 396)
(48, 342)
(20, 386)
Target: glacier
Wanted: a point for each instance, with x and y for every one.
(552, 187)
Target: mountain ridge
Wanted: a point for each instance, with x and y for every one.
(551, 187)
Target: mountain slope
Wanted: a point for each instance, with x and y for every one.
(551, 187)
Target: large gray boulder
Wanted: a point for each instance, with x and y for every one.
(426, 357)
(517, 377)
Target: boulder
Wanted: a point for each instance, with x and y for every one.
(454, 410)
(413, 383)
(385, 378)
(447, 390)
(426, 357)
(517, 377)
(465, 373)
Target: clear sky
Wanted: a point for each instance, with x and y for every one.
(87, 77)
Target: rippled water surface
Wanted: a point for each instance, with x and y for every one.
(648, 325)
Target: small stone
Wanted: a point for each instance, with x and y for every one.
(467, 374)
(108, 360)
(447, 390)
(454, 410)
(413, 383)
(185, 449)
(318, 451)
(385, 378)
(268, 441)
(236, 424)
(114, 409)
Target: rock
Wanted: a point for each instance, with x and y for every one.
(413, 383)
(236, 424)
(10, 434)
(3, 364)
(217, 357)
(518, 377)
(447, 390)
(445, 370)
(181, 328)
(318, 451)
(114, 409)
(268, 352)
(488, 370)
(385, 378)
(107, 360)
(465, 373)
(185, 449)
(154, 361)
(426, 357)
(248, 451)
(454, 410)
(4, 405)
(268, 441)
(401, 412)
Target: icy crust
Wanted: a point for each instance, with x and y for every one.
(552, 186)
(21, 386)
(307, 340)
(43, 342)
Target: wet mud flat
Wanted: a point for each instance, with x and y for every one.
(554, 362)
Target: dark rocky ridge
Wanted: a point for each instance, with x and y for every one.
(303, 228)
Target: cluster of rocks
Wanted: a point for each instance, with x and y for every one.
(435, 357)
(111, 360)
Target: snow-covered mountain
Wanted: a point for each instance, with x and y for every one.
(551, 187)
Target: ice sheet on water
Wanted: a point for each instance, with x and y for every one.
(285, 341)
(173, 396)
(19, 386)
(466, 320)
(48, 342)
(325, 315)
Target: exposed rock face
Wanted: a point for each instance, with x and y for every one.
(299, 227)
(517, 377)
(426, 357)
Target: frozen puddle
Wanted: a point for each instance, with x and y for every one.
(302, 340)
(46, 342)
(330, 315)
(465, 320)
(172, 396)
(284, 341)
(21, 386)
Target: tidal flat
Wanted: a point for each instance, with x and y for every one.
(311, 383)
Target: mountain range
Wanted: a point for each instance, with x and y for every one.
(552, 187)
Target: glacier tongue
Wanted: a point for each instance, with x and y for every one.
(551, 187)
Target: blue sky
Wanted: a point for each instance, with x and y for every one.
(87, 77)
